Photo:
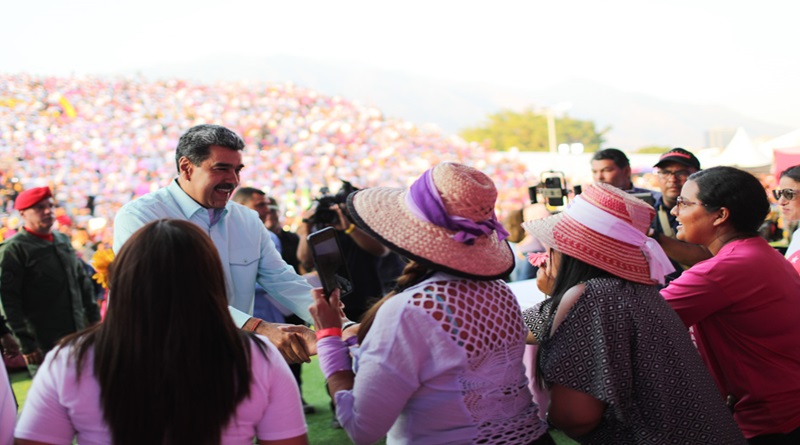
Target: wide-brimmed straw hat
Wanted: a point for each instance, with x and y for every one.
(444, 221)
(607, 228)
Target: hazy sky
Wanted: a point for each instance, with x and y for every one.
(743, 54)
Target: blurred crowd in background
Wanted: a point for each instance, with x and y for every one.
(101, 142)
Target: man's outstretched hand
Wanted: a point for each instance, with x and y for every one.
(296, 343)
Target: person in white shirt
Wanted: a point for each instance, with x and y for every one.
(208, 160)
(440, 360)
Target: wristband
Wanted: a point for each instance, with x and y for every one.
(350, 229)
(348, 324)
(329, 332)
(258, 322)
(334, 356)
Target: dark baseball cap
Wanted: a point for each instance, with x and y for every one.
(680, 156)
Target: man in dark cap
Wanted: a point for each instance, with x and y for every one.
(45, 291)
(673, 169)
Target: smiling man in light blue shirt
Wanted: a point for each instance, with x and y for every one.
(209, 160)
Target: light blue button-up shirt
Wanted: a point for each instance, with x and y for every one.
(248, 254)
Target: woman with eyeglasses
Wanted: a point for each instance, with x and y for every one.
(790, 208)
(743, 304)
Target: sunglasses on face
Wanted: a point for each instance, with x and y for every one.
(789, 194)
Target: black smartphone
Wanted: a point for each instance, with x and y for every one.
(328, 260)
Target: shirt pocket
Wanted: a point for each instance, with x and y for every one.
(244, 257)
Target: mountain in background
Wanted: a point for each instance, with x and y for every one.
(636, 120)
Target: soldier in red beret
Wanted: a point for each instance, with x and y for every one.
(45, 291)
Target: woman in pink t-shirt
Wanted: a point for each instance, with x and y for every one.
(167, 365)
(743, 304)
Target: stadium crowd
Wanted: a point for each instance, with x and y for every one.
(101, 142)
(704, 312)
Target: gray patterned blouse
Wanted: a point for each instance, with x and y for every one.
(622, 344)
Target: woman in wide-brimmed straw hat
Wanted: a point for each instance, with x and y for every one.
(618, 362)
(440, 359)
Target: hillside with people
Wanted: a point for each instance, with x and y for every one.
(100, 142)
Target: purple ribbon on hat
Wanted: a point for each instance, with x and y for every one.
(424, 202)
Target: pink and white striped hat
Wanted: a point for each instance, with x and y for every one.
(607, 228)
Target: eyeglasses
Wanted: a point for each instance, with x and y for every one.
(789, 194)
(678, 174)
(683, 202)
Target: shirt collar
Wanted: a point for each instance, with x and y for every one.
(48, 237)
(189, 207)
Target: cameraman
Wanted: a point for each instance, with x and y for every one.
(361, 253)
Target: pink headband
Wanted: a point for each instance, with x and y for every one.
(609, 225)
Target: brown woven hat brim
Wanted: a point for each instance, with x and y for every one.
(565, 234)
(382, 213)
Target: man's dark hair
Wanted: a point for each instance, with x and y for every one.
(243, 195)
(196, 143)
(736, 190)
(616, 155)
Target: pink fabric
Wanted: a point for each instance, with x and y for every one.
(334, 356)
(744, 306)
(540, 395)
(8, 410)
(58, 407)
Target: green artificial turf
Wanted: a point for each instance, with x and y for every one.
(319, 424)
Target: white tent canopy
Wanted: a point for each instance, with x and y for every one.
(740, 152)
(784, 149)
(788, 140)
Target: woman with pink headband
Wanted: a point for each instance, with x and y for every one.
(440, 359)
(619, 364)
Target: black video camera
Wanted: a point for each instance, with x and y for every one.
(324, 215)
(553, 188)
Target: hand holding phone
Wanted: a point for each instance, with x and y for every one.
(329, 262)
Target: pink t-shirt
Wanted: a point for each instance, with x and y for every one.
(8, 410)
(744, 306)
(58, 407)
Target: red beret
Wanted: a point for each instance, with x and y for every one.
(31, 197)
(64, 221)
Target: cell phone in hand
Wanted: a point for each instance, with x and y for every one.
(329, 262)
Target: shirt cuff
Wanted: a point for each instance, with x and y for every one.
(239, 317)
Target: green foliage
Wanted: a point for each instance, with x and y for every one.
(527, 130)
(653, 149)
